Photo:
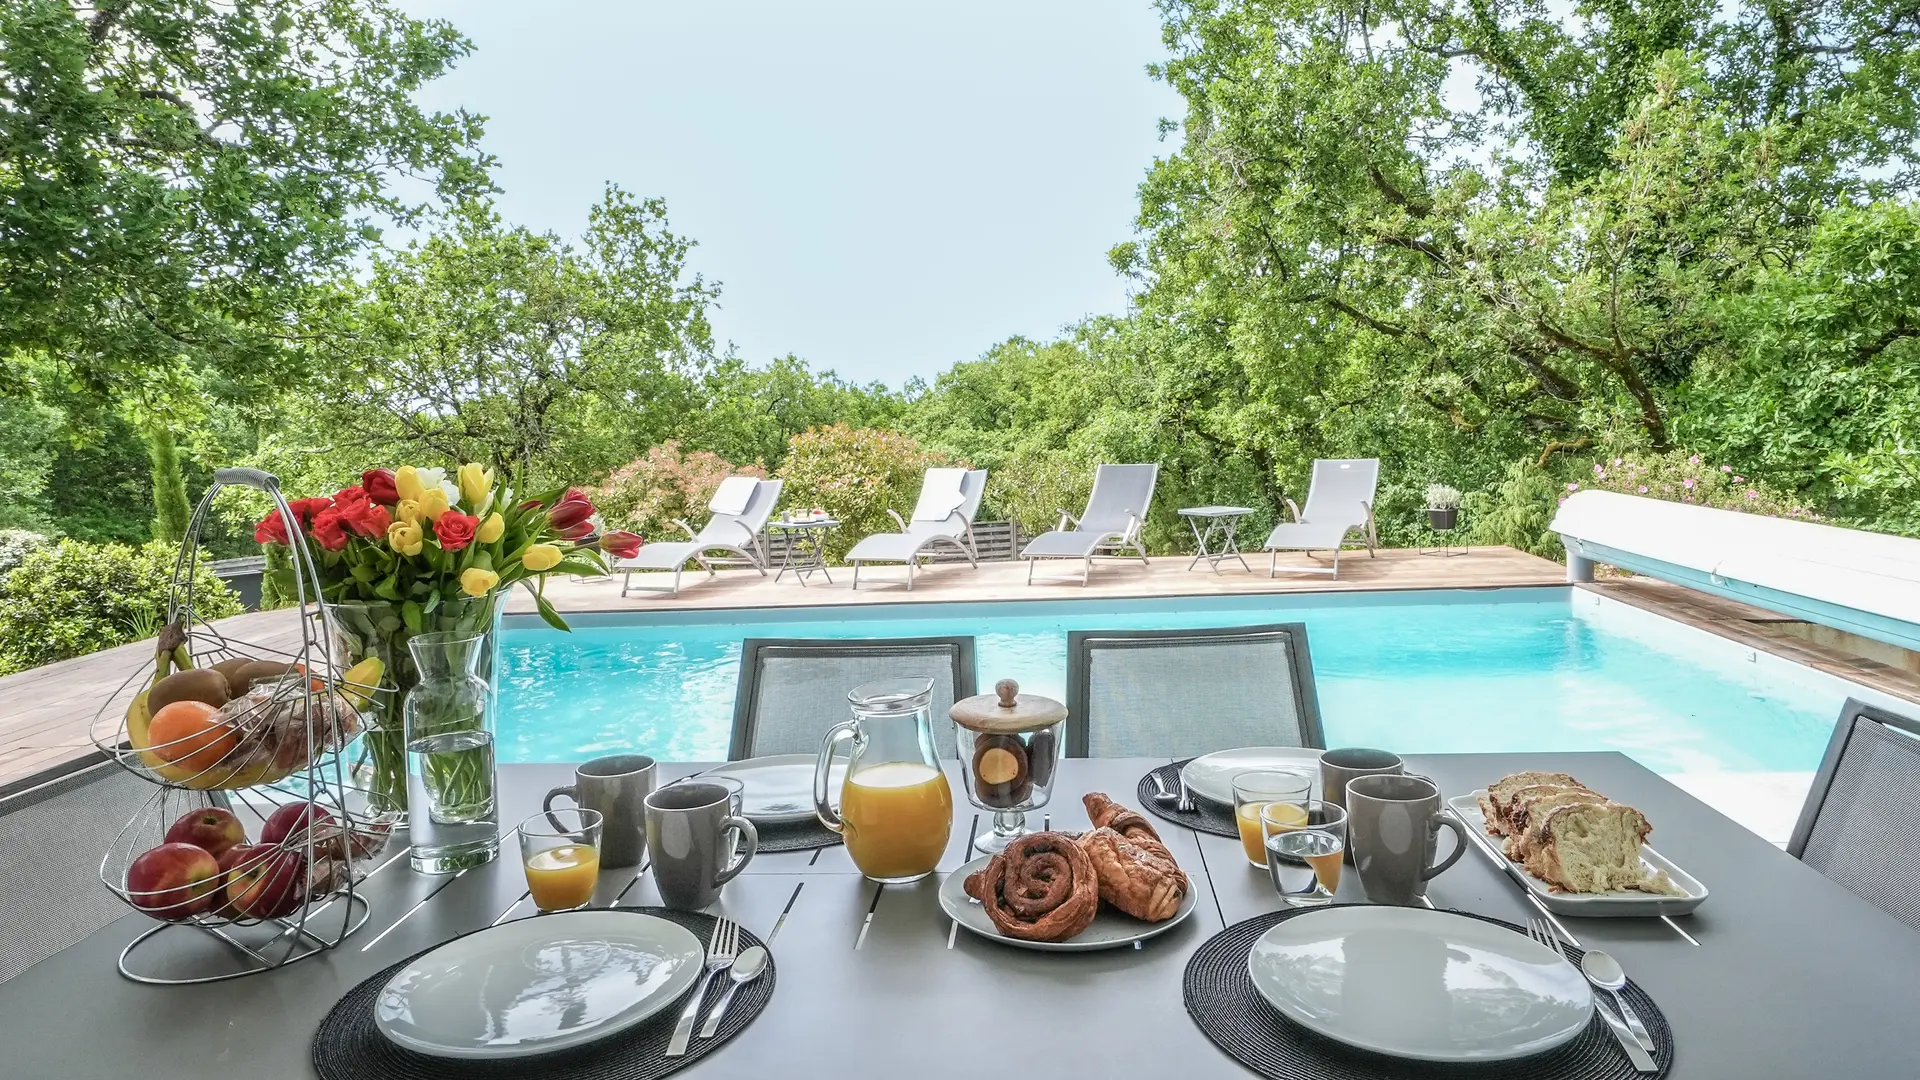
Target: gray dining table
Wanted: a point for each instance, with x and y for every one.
(1781, 973)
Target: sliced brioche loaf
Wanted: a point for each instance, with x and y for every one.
(1531, 805)
(1497, 800)
(1589, 847)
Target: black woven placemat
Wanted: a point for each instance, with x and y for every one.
(1206, 816)
(1222, 1000)
(799, 836)
(349, 1047)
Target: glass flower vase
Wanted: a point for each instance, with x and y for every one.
(452, 819)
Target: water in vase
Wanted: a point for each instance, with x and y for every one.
(453, 822)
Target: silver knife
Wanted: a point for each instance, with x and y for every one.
(1642, 1061)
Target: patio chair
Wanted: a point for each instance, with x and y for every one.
(949, 498)
(1181, 693)
(1861, 822)
(1339, 500)
(53, 829)
(792, 690)
(740, 508)
(1111, 526)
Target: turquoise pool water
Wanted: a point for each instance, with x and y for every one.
(1427, 672)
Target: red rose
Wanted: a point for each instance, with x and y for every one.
(369, 519)
(271, 530)
(350, 496)
(380, 487)
(455, 529)
(305, 509)
(621, 544)
(329, 529)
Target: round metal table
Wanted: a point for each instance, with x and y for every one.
(1216, 543)
(805, 550)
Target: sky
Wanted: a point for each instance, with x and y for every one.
(882, 188)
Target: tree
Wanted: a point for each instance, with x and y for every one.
(175, 175)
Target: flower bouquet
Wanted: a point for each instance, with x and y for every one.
(410, 551)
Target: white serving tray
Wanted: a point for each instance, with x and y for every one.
(1622, 904)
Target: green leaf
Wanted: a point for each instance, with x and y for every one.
(412, 613)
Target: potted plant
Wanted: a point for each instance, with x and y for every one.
(1443, 507)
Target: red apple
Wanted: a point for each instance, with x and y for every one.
(267, 882)
(230, 863)
(210, 829)
(288, 826)
(174, 881)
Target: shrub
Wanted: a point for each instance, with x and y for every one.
(647, 494)
(1687, 478)
(16, 545)
(1516, 511)
(74, 598)
(856, 475)
(1032, 488)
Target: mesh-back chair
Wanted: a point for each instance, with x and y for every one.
(1861, 823)
(793, 689)
(1180, 693)
(53, 830)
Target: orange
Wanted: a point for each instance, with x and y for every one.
(190, 734)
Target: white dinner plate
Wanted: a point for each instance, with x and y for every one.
(1420, 984)
(1623, 903)
(1110, 929)
(537, 985)
(779, 789)
(1210, 776)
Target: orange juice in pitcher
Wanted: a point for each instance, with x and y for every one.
(896, 810)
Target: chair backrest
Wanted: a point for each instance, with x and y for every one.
(736, 530)
(937, 504)
(1121, 495)
(1180, 693)
(53, 831)
(1861, 823)
(792, 690)
(1342, 490)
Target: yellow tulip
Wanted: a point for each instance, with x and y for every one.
(477, 582)
(476, 484)
(407, 510)
(541, 557)
(406, 537)
(433, 503)
(491, 529)
(406, 480)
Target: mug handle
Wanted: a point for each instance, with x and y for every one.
(546, 804)
(1459, 845)
(748, 833)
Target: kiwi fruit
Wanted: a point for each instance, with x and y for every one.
(194, 684)
(228, 668)
(246, 675)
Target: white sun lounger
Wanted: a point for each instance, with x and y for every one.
(949, 498)
(736, 528)
(1116, 513)
(1339, 500)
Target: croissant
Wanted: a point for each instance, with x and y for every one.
(1041, 888)
(1135, 878)
(1107, 814)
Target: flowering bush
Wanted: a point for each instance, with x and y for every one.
(74, 598)
(856, 475)
(647, 494)
(16, 545)
(1687, 478)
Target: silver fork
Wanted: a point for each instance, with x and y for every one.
(1185, 804)
(1541, 931)
(721, 947)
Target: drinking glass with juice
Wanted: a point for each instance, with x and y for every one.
(560, 851)
(1253, 792)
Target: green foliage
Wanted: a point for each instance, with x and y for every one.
(27, 451)
(1032, 487)
(75, 598)
(170, 510)
(1688, 478)
(15, 546)
(274, 591)
(648, 494)
(748, 414)
(1517, 510)
(856, 475)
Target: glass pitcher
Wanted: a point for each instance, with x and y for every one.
(895, 807)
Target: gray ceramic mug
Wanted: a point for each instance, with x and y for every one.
(617, 786)
(1341, 767)
(1393, 831)
(690, 826)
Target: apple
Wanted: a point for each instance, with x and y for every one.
(230, 862)
(267, 882)
(210, 829)
(174, 881)
(288, 827)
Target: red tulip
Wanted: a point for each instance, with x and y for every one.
(578, 531)
(569, 514)
(621, 544)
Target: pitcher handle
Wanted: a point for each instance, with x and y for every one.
(752, 837)
(823, 772)
(1459, 845)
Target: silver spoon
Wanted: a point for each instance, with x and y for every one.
(1605, 972)
(751, 964)
(1160, 786)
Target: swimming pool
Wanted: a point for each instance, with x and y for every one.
(1535, 669)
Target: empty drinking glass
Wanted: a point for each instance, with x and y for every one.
(560, 850)
(1306, 843)
(1252, 791)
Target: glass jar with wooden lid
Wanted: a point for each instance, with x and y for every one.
(1010, 746)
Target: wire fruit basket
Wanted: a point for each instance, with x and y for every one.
(241, 739)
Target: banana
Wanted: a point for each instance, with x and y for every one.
(169, 654)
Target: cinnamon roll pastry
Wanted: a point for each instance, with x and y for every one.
(1041, 888)
(1107, 814)
(1136, 878)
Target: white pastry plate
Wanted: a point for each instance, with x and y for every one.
(1621, 904)
(1110, 929)
(1420, 984)
(537, 985)
(1210, 776)
(779, 789)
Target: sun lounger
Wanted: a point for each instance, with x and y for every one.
(1339, 500)
(740, 508)
(1115, 516)
(943, 517)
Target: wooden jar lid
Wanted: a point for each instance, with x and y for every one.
(1007, 711)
